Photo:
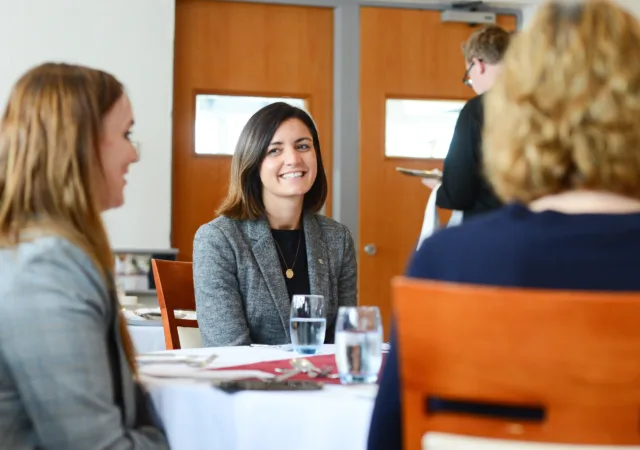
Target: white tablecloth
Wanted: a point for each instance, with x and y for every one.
(147, 338)
(197, 416)
(150, 338)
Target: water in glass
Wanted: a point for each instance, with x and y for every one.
(307, 335)
(358, 356)
(308, 323)
(358, 344)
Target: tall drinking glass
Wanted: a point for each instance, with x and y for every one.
(358, 344)
(308, 323)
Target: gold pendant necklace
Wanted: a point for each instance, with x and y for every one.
(289, 272)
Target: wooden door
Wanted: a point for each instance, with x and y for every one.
(407, 54)
(245, 49)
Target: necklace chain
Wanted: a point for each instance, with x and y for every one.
(289, 272)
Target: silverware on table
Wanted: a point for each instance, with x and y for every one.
(287, 375)
(201, 363)
(303, 365)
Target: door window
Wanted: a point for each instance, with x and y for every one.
(220, 119)
(420, 128)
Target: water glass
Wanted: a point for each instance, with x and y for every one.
(358, 344)
(308, 323)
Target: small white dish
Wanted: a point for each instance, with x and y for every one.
(154, 314)
(135, 320)
(149, 313)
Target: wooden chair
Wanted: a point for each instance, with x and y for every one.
(575, 355)
(174, 283)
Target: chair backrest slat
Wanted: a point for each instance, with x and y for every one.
(174, 284)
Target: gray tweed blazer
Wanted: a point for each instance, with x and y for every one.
(64, 379)
(241, 295)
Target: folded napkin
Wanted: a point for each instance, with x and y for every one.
(178, 371)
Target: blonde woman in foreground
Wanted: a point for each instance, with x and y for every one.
(562, 150)
(66, 361)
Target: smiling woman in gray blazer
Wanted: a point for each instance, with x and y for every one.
(269, 243)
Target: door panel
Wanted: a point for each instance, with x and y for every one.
(406, 54)
(234, 48)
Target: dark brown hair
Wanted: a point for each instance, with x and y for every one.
(488, 44)
(244, 199)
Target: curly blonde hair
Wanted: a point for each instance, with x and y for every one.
(565, 112)
(488, 44)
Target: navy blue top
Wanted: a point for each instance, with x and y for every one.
(518, 248)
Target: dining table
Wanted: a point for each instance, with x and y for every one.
(198, 415)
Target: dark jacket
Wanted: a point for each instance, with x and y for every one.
(514, 247)
(463, 185)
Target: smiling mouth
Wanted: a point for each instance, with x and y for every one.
(292, 175)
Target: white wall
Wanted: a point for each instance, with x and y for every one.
(133, 39)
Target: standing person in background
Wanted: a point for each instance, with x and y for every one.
(67, 363)
(463, 185)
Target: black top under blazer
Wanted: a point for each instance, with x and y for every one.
(241, 295)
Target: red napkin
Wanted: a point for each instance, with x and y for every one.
(320, 361)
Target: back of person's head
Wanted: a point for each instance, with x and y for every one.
(487, 44)
(244, 199)
(564, 113)
(483, 53)
(51, 173)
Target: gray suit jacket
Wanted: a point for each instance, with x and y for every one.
(241, 295)
(64, 379)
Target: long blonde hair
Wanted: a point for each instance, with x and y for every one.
(50, 170)
(563, 114)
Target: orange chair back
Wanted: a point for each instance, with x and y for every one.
(576, 355)
(174, 284)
